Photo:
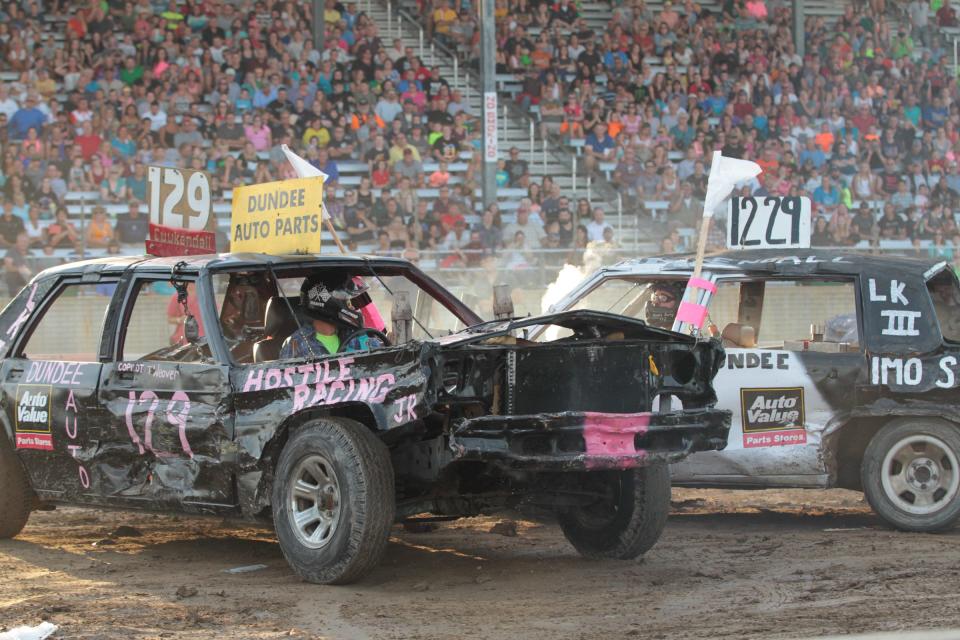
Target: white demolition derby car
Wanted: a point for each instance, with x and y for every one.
(840, 371)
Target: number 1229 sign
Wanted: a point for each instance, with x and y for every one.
(769, 223)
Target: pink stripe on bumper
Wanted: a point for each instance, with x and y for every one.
(609, 438)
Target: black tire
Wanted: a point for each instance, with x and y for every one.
(360, 466)
(16, 496)
(630, 522)
(896, 491)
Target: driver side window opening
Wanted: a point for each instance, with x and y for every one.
(797, 315)
(653, 300)
(155, 329)
(256, 318)
(945, 295)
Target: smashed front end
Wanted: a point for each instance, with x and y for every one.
(612, 393)
(518, 423)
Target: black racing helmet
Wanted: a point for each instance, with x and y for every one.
(322, 299)
(661, 308)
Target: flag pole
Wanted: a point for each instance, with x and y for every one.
(701, 245)
(333, 230)
(724, 174)
(304, 169)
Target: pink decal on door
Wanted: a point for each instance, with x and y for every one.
(179, 418)
(175, 416)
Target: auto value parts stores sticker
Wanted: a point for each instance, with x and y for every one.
(772, 417)
(33, 417)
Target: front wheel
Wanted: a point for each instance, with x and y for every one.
(911, 474)
(16, 497)
(333, 501)
(628, 520)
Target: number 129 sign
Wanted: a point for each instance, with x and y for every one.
(179, 198)
(769, 223)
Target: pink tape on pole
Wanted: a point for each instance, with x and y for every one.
(700, 283)
(691, 313)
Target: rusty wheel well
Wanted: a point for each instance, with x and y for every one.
(850, 442)
(271, 451)
(355, 411)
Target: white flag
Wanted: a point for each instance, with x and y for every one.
(725, 173)
(303, 167)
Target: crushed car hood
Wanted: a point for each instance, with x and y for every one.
(584, 321)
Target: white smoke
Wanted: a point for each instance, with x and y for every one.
(568, 278)
(595, 256)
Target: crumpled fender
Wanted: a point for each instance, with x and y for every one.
(385, 389)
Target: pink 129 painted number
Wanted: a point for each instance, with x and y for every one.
(176, 415)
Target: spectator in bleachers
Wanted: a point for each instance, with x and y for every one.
(11, 225)
(28, 117)
(532, 231)
(490, 233)
(16, 270)
(132, 227)
(517, 253)
(8, 105)
(518, 169)
(61, 232)
(597, 226)
(940, 249)
(99, 230)
(113, 188)
(454, 244)
(35, 228)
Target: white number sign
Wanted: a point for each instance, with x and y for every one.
(179, 198)
(769, 223)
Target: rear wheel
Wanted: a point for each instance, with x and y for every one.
(628, 520)
(911, 474)
(333, 501)
(16, 497)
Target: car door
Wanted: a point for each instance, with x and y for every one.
(784, 385)
(50, 383)
(168, 439)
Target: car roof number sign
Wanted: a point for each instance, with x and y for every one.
(768, 222)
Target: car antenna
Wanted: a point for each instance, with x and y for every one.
(293, 313)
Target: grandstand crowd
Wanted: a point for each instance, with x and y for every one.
(865, 122)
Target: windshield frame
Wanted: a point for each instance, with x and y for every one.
(365, 268)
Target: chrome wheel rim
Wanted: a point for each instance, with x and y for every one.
(920, 474)
(313, 501)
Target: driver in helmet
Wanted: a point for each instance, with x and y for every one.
(661, 307)
(333, 309)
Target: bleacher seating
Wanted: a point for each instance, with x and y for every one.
(576, 173)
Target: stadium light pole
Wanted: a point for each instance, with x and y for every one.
(318, 25)
(488, 69)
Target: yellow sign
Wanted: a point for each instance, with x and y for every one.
(277, 217)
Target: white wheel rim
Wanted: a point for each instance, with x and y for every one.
(313, 501)
(920, 474)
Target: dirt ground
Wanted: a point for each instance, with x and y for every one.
(765, 564)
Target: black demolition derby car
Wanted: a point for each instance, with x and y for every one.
(841, 370)
(257, 386)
